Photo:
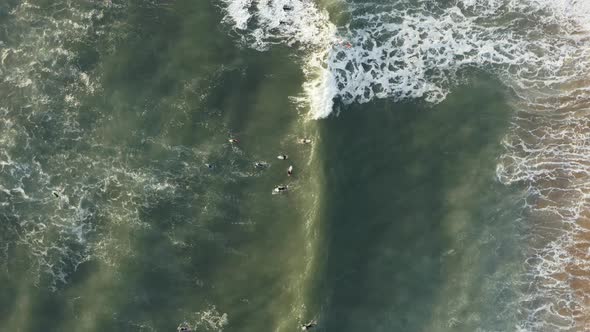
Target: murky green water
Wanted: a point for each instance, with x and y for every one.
(111, 220)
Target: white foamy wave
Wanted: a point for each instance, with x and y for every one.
(415, 51)
(292, 22)
(402, 55)
(411, 52)
(297, 23)
(238, 12)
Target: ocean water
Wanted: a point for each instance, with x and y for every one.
(445, 187)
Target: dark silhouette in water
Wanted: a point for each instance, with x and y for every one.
(305, 141)
(308, 326)
(184, 328)
(280, 189)
(260, 165)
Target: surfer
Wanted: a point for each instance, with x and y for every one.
(280, 188)
(184, 328)
(290, 170)
(282, 157)
(287, 7)
(259, 165)
(55, 194)
(304, 140)
(233, 140)
(209, 166)
(308, 326)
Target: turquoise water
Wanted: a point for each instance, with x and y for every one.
(422, 203)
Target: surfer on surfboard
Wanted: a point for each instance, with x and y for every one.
(280, 189)
(260, 165)
(308, 326)
(305, 141)
(184, 328)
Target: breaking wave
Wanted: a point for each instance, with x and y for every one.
(412, 50)
(299, 24)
